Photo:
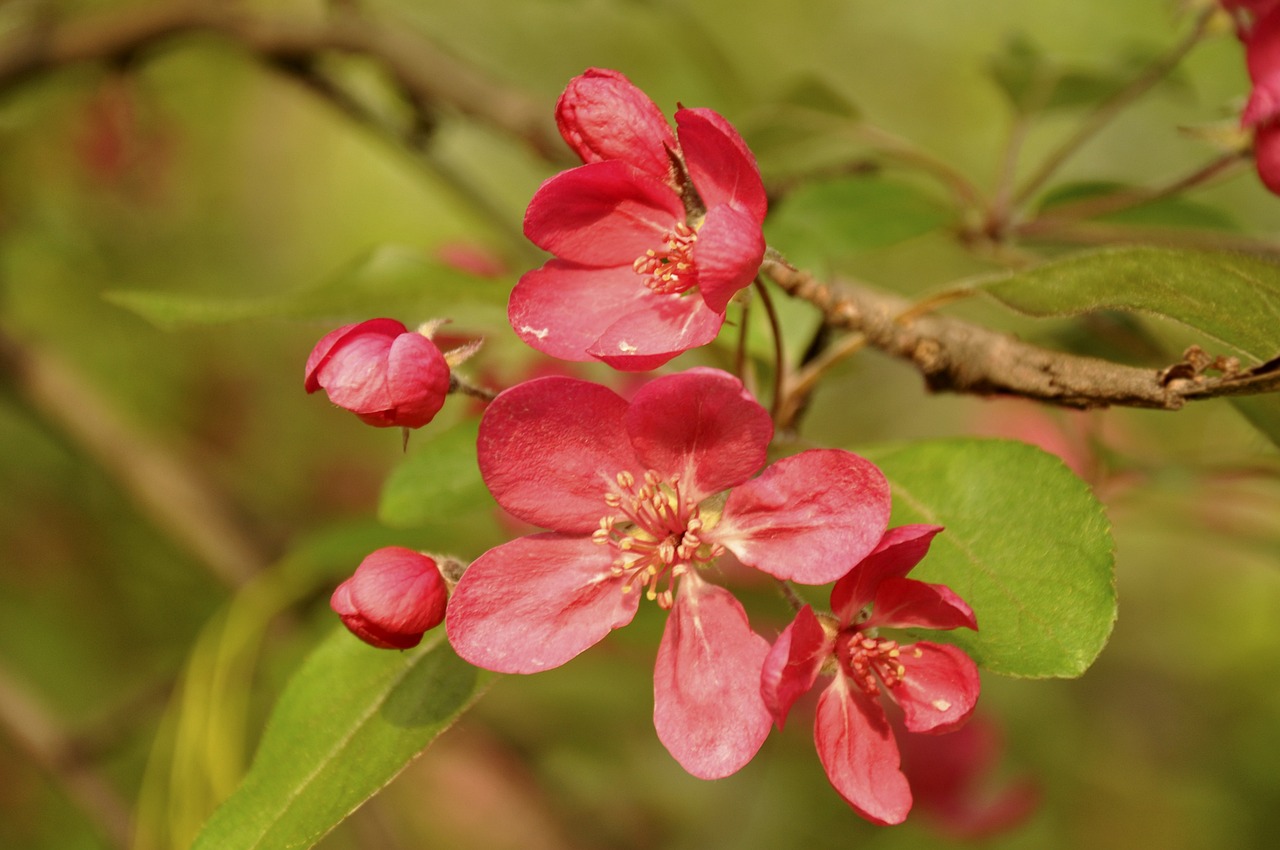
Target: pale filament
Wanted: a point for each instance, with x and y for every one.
(872, 661)
(669, 270)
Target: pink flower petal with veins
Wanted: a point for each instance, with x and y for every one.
(904, 603)
(536, 602)
(707, 707)
(702, 425)
(940, 688)
(895, 555)
(549, 449)
(727, 255)
(794, 662)
(323, 350)
(720, 164)
(603, 115)
(602, 214)
(859, 753)
(807, 516)
(661, 327)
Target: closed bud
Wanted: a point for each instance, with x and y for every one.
(603, 116)
(395, 595)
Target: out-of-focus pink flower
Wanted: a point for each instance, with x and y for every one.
(473, 259)
(380, 371)
(935, 685)
(640, 498)
(951, 777)
(394, 596)
(1258, 26)
(653, 235)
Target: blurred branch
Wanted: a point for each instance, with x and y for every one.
(958, 356)
(426, 76)
(32, 728)
(166, 489)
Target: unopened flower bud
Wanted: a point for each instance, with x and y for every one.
(603, 116)
(395, 595)
(382, 372)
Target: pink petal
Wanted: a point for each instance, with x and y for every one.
(1266, 155)
(794, 662)
(895, 555)
(417, 381)
(904, 603)
(1262, 56)
(549, 449)
(707, 706)
(858, 751)
(602, 214)
(659, 328)
(807, 517)
(940, 688)
(727, 254)
(701, 424)
(536, 602)
(603, 115)
(399, 589)
(561, 309)
(342, 605)
(325, 347)
(720, 164)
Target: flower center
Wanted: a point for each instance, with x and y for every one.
(669, 270)
(870, 661)
(654, 528)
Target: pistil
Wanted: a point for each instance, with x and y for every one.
(669, 270)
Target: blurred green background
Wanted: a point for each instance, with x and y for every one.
(139, 659)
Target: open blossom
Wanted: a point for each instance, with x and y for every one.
(653, 235)
(640, 499)
(1258, 25)
(935, 685)
(382, 372)
(394, 596)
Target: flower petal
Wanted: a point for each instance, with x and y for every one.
(1266, 155)
(417, 381)
(895, 555)
(702, 425)
(562, 309)
(707, 707)
(904, 603)
(1262, 56)
(807, 516)
(602, 214)
(658, 328)
(940, 688)
(549, 449)
(859, 753)
(720, 164)
(324, 349)
(727, 254)
(400, 589)
(794, 662)
(536, 602)
(603, 115)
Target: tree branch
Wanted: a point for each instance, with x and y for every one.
(958, 356)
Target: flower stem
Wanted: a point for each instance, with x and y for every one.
(779, 371)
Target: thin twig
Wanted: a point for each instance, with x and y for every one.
(779, 356)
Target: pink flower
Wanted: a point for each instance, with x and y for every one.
(394, 596)
(935, 686)
(381, 372)
(652, 236)
(641, 498)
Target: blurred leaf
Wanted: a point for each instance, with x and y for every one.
(850, 215)
(1033, 82)
(440, 482)
(1026, 545)
(1166, 212)
(349, 721)
(390, 280)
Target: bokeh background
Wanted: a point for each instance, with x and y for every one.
(174, 510)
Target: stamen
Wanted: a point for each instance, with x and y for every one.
(669, 270)
(872, 662)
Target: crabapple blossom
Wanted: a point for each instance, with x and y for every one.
(934, 685)
(394, 596)
(382, 372)
(652, 236)
(641, 498)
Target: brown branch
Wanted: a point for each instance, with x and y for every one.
(425, 75)
(958, 356)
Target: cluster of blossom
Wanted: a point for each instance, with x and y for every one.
(1258, 27)
(649, 497)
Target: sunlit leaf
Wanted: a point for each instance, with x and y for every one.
(348, 722)
(1026, 545)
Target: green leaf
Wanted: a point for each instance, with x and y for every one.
(1026, 545)
(1034, 82)
(847, 216)
(1174, 211)
(391, 280)
(440, 482)
(349, 721)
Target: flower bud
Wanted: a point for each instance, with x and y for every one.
(380, 371)
(603, 116)
(394, 596)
